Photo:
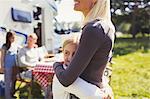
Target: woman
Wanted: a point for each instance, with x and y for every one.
(29, 55)
(93, 53)
(10, 50)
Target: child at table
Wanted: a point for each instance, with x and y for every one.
(69, 48)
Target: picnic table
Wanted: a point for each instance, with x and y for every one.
(43, 73)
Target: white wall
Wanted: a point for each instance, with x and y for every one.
(47, 28)
(47, 17)
(5, 17)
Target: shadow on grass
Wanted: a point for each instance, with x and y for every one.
(125, 46)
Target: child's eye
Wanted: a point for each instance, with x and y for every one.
(66, 53)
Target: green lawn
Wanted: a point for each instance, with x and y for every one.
(131, 68)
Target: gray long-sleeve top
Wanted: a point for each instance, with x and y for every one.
(90, 58)
(28, 56)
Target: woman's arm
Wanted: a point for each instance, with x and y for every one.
(90, 41)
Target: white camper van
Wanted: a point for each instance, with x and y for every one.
(28, 16)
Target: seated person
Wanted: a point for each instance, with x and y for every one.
(28, 55)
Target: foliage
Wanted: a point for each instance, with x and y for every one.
(126, 45)
(135, 12)
(35, 89)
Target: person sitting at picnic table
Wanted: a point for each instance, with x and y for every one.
(29, 56)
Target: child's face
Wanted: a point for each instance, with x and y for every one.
(68, 52)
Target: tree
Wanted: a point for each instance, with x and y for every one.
(135, 12)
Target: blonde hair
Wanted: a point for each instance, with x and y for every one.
(101, 11)
(33, 35)
(69, 41)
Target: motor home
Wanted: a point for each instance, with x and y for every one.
(28, 16)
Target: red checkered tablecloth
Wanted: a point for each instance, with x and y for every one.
(43, 73)
(43, 69)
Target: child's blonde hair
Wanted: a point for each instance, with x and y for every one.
(69, 41)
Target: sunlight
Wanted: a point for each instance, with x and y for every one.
(66, 12)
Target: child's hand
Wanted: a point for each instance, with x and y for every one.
(56, 64)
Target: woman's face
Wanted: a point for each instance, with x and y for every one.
(32, 40)
(84, 5)
(68, 52)
(12, 38)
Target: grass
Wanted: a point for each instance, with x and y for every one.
(131, 68)
(126, 45)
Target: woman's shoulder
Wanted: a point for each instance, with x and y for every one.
(22, 49)
(99, 29)
(92, 23)
(103, 25)
(93, 27)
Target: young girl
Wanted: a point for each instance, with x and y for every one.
(10, 50)
(81, 88)
(69, 48)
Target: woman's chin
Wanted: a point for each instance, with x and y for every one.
(76, 8)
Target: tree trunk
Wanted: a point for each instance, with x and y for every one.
(134, 17)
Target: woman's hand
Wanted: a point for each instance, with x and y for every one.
(107, 96)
